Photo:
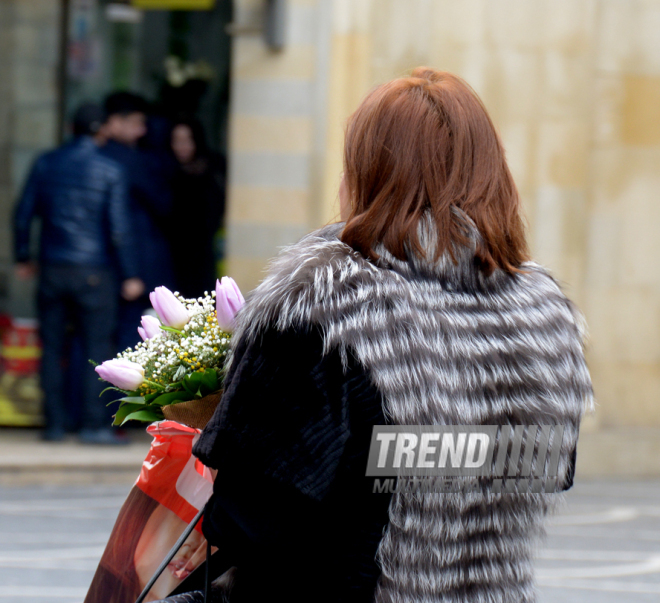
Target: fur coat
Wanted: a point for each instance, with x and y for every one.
(443, 344)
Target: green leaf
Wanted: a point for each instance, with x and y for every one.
(171, 330)
(192, 384)
(123, 391)
(124, 410)
(134, 399)
(148, 416)
(209, 382)
(171, 397)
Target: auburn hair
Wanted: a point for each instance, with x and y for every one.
(426, 142)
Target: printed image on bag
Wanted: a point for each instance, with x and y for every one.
(172, 487)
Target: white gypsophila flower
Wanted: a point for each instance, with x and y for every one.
(201, 344)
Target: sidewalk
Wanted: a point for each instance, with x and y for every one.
(623, 453)
(25, 459)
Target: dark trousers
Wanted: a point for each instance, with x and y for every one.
(90, 294)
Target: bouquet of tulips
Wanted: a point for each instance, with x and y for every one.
(181, 356)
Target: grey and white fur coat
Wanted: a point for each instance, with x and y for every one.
(444, 345)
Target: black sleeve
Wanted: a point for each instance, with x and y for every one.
(292, 508)
(276, 439)
(121, 231)
(25, 211)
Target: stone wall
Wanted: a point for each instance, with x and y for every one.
(572, 85)
(29, 47)
(276, 135)
(574, 88)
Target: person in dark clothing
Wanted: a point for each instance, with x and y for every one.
(86, 245)
(299, 478)
(150, 204)
(420, 308)
(198, 189)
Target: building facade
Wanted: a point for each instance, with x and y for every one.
(572, 85)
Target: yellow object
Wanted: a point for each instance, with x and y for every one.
(15, 352)
(174, 4)
(20, 401)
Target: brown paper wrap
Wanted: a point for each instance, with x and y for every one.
(194, 413)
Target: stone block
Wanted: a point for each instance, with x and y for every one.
(604, 242)
(37, 43)
(512, 84)
(640, 223)
(278, 170)
(627, 393)
(401, 34)
(628, 37)
(37, 10)
(563, 151)
(624, 325)
(619, 452)
(268, 97)
(516, 137)
(247, 272)
(516, 23)
(35, 84)
(258, 240)
(640, 110)
(251, 133)
(269, 205)
(614, 170)
(35, 128)
(616, 29)
(558, 230)
(460, 23)
(608, 93)
(5, 164)
(6, 208)
(21, 164)
(569, 26)
(252, 60)
(568, 81)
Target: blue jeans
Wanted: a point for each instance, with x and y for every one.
(91, 295)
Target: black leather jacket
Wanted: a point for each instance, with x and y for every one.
(82, 200)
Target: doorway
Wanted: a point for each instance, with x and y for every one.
(177, 59)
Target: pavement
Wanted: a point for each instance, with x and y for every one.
(26, 460)
(603, 453)
(604, 547)
(58, 503)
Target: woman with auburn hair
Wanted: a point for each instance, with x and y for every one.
(421, 307)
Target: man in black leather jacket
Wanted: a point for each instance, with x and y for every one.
(86, 248)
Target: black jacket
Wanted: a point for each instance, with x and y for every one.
(292, 508)
(198, 209)
(82, 200)
(150, 206)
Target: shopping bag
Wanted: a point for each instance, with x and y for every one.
(173, 486)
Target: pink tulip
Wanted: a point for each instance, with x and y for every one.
(170, 310)
(228, 301)
(150, 327)
(122, 373)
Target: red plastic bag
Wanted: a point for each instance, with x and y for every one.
(172, 487)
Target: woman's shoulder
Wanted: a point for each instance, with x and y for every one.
(541, 288)
(300, 281)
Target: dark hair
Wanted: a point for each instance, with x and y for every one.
(197, 131)
(124, 103)
(88, 119)
(426, 142)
